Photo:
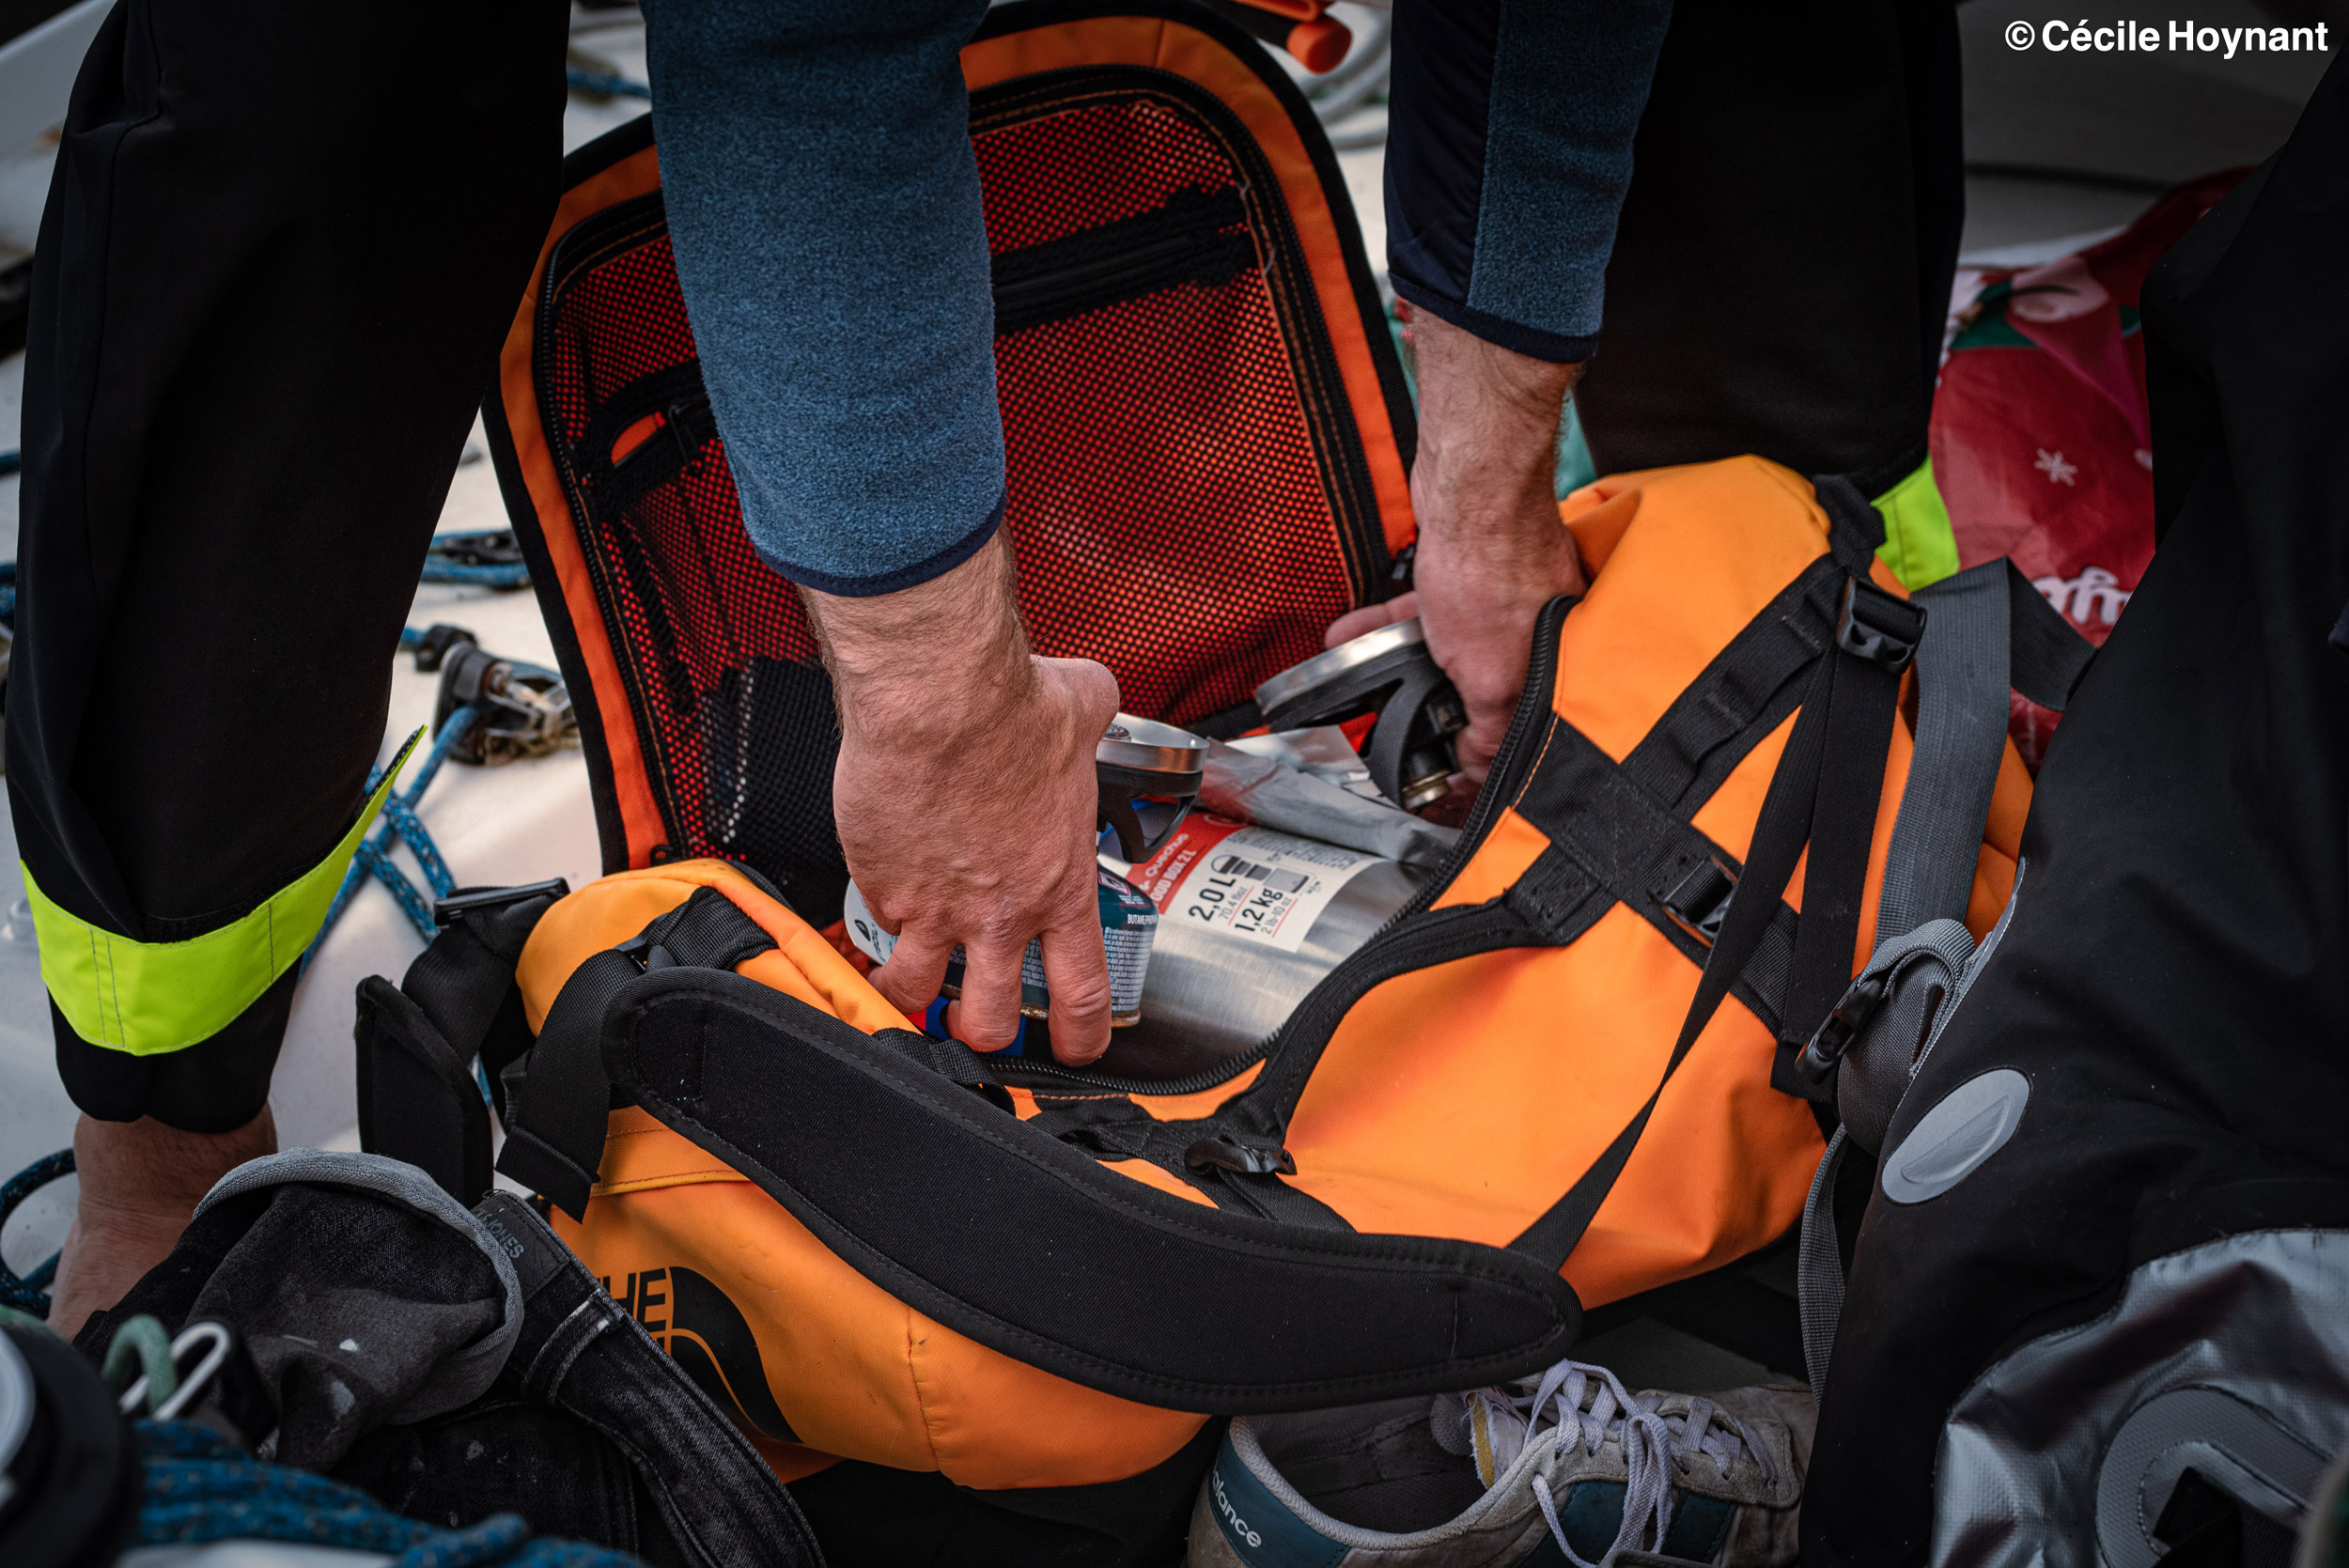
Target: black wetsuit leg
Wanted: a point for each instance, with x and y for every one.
(283, 243)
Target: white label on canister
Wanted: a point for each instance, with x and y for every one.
(1263, 886)
(863, 930)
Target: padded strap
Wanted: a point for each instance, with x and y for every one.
(417, 1099)
(1059, 1261)
(558, 1093)
(1961, 737)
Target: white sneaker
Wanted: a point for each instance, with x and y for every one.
(1566, 1468)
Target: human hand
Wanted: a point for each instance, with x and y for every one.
(966, 799)
(1491, 549)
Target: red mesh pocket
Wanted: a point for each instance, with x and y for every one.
(1187, 499)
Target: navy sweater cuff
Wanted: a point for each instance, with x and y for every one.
(1518, 339)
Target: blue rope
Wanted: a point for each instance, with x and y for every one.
(29, 1292)
(447, 562)
(200, 1488)
(438, 570)
(599, 84)
(401, 825)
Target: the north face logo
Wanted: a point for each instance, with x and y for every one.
(704, 1333)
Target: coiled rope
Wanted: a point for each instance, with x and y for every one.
(200, 1488)
(29, 1292)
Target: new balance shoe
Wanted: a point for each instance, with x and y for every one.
(1566, 1468)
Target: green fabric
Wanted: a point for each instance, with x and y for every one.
(151, 998)
(1920, 545)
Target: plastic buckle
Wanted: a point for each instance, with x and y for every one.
(1816, 1062)
(1245, 1158)
(1698, 905)
(448, 911)
(1878, 626)
(432, 645)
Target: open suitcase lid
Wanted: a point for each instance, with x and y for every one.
(1206, 422)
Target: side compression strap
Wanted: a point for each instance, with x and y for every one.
(1961, 736)
(558, 1094)
(152, 998)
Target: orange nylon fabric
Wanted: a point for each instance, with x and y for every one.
(857, 1374)
(639, 813)
(1465, 1099)
(1457, 1101)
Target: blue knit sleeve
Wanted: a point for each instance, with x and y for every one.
(824, 208)
(1508, 153)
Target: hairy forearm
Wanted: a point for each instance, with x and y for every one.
(944, 654)
(1489, 441)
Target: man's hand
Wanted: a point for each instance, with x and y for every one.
(966, 799)
(1491, 550)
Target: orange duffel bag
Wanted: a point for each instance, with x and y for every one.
(1565, 1073)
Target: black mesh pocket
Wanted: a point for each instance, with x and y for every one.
(770, 738)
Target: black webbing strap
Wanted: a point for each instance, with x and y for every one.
(2045, 656)
(1861, 708)
(1855, 529)
(1824, 794)
(558, 1094)
(1610, 843)
(418, 1099)
(1740, 697)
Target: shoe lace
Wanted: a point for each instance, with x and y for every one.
(1577, 1405)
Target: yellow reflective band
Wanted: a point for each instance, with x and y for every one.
(1920, 545)
(151, 998)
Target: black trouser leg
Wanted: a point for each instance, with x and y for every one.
(282, 246)
(1782, 267)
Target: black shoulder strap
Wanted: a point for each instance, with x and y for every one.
(557, 1094)
(1036, 1249)
(419, 1099)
